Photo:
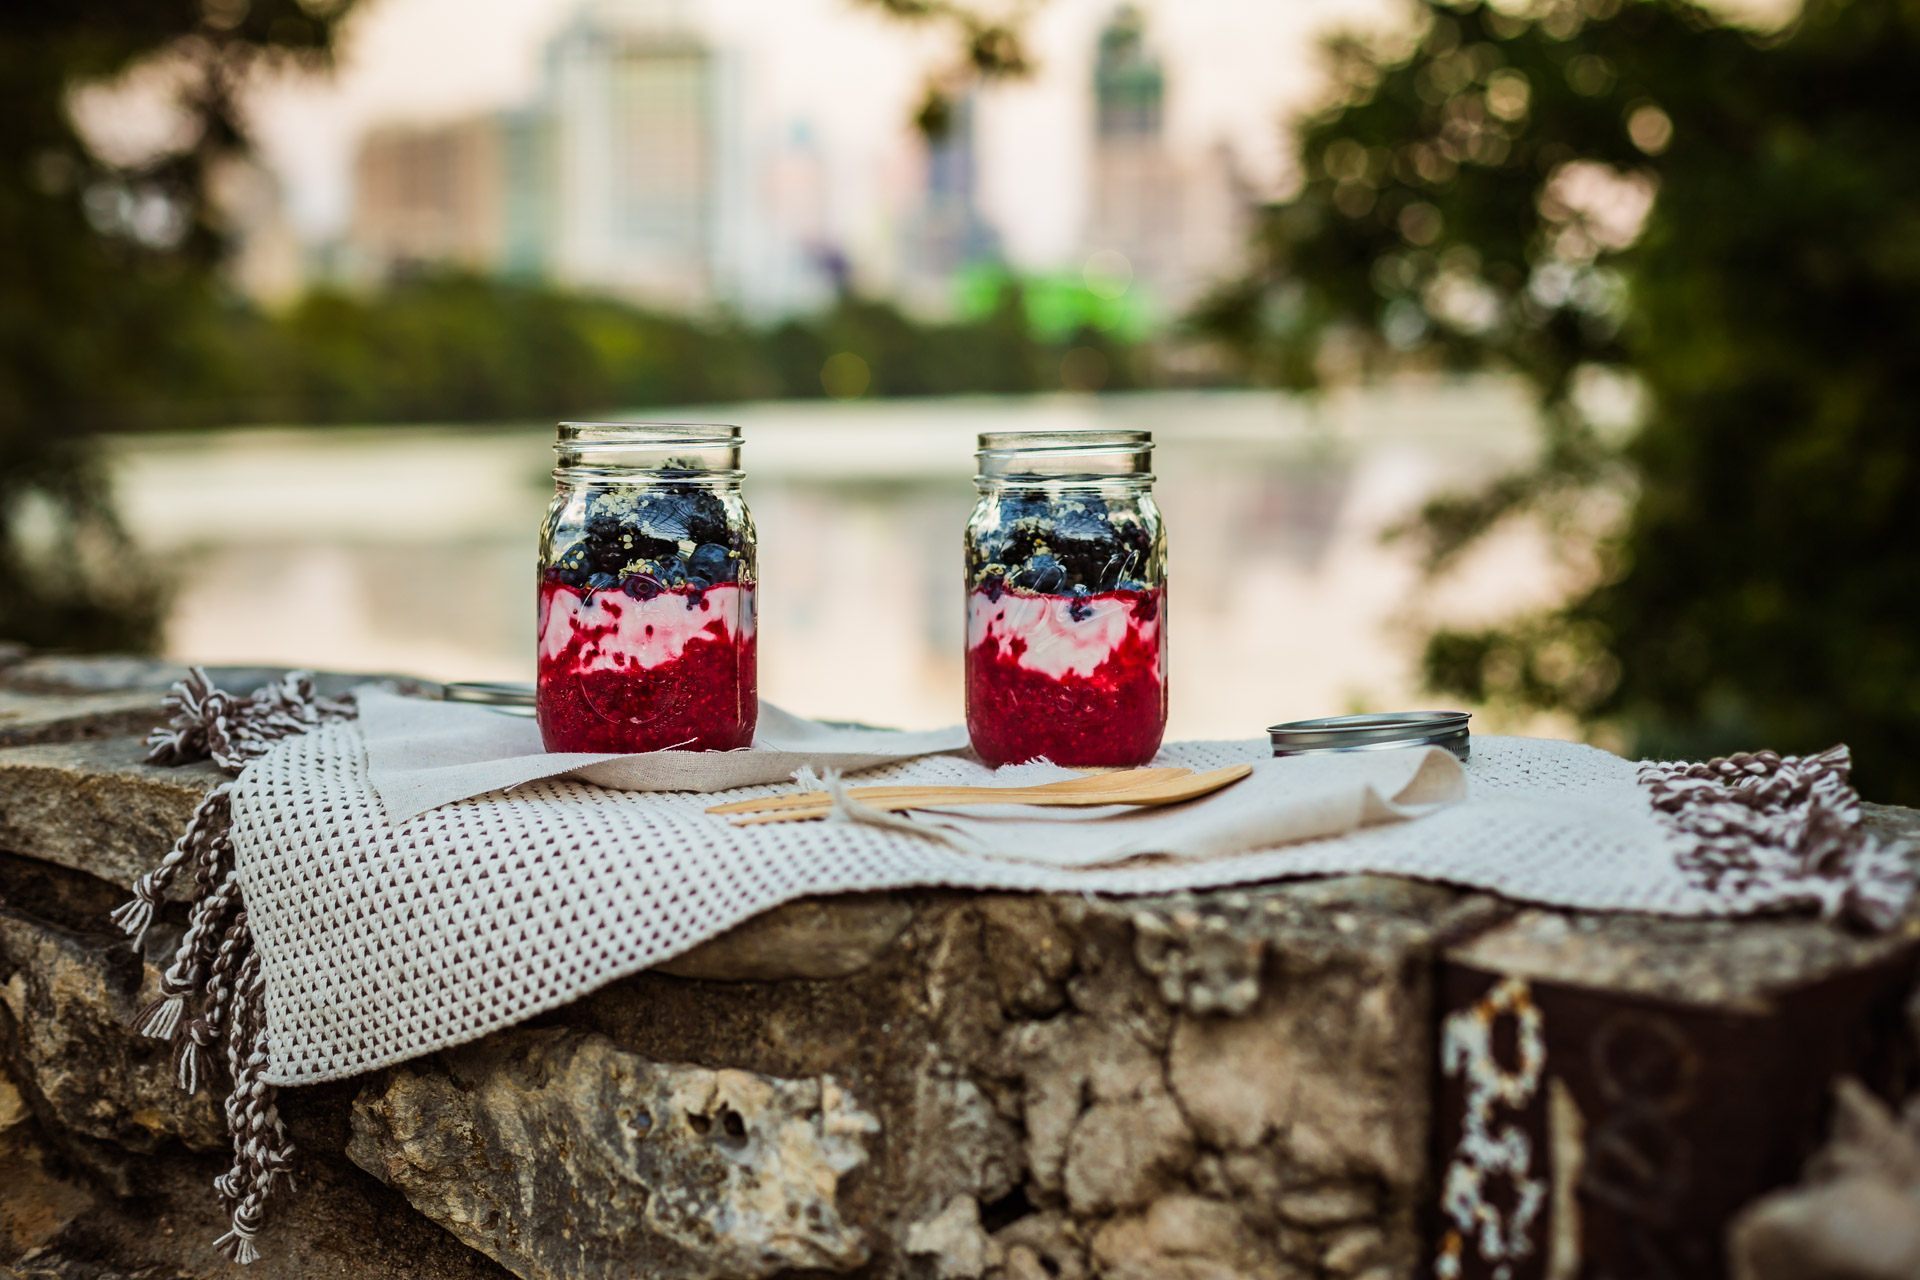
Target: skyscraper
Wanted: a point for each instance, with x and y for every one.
(947, 231)
(624, 176)
(1177, 221)
(637, 165)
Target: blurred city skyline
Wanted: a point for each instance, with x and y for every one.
(840, 70)
(781, 161)
(635, 171)
(778, 137)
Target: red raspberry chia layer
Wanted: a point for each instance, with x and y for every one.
(1079, 680)
(618, 673)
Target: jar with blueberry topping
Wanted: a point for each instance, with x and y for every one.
(646, 617)
(1066, 600)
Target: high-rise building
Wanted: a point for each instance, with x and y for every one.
(429, 196)
(643, 191)
(947, 231)
(1176, 221)
(624, 176)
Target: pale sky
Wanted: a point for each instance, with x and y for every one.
(1236, 71)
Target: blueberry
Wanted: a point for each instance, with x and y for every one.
(1130, 584)
(602, 581)
(1082, 526)
(995, 585)
(1022, 506)
(712, 562)
(1043, 573)
(641, 586)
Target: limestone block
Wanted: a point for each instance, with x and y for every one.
(1063, 1063)
(1029, 952)
(1123, 1152)
(954, 1243)
(561, 1156)
(37, 1203)
(814, 938)
(66, 1004)
(1045, 1244)
(39, 717)
(96, 806)
(1187, 1237)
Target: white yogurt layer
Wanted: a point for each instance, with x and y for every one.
(628, 634)
(1058, 644)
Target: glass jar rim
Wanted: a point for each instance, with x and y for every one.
(1055, 458)
(694, 452)
(649, 436)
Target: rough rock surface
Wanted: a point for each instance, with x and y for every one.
(65, 1005)
(96, 807)
(561, 1155)
(927, 1084)
(812, 938)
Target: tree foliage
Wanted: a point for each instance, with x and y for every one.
(463, 348)
(107, 285)
(1602, 195)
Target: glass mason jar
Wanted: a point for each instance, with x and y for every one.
(646, 619)
(1066, 600)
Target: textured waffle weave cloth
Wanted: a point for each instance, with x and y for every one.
(382, 940)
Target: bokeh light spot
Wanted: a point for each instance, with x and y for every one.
(845, 376)
(1107, 273)
(1650, 128)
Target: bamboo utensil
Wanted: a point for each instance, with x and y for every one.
(1140, 787)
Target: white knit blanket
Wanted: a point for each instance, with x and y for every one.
(380, 941)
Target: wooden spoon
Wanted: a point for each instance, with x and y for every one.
(1170, 791)
(1110, 781)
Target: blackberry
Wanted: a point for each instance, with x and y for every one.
(687, 515)
(1043, 573)
(713, 563)
(1022, 539)
(571, 566)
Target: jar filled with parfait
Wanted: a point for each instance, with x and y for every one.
(646, 604)
(1066, 600)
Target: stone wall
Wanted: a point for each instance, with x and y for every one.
(1252, 1083)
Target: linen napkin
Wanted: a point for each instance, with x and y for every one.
(1283, 801)
(422, 754)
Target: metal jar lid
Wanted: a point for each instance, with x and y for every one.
(1379, 732)
(507, 696)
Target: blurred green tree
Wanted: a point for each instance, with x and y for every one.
(1719, 224)
(108, 286)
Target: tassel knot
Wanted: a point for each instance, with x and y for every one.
(215, 962)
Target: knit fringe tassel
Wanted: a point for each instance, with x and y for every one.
(1785, 832)
(216, 964)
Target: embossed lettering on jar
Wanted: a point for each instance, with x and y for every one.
(1066, 600)
(646, 592)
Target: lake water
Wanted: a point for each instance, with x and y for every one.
(411, 549)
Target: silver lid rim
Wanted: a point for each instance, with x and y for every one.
(1369, 732)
